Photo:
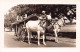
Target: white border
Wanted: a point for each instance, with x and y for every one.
(5, 5)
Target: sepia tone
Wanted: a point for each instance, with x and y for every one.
(18, 31)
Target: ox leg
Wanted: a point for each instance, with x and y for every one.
(38, 32)
(29, 37)
(44, 39)
(56, 36)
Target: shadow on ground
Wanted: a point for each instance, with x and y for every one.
(68, 34)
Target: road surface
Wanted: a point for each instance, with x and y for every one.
(12, 41)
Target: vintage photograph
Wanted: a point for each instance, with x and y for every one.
(40, 25)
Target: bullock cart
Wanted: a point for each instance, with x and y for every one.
(20, 27)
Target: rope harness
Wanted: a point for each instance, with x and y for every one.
(43, 22)
(54, 22)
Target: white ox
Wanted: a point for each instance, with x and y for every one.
(34, 26)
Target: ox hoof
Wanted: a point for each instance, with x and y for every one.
(56, 41)
(44, 43)
(38, 43)
(21, 41)
(29, 43)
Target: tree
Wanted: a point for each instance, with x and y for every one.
(29, 9)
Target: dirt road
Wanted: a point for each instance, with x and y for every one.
(11, 41)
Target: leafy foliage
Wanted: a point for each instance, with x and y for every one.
(22, 9)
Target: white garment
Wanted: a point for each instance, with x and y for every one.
(48, 16)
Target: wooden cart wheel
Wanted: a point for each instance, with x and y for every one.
(22, 35)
